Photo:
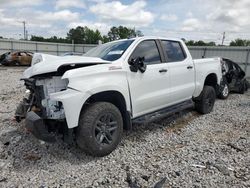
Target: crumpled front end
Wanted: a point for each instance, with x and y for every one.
(40, 112)
(50, 104)
(35, 124)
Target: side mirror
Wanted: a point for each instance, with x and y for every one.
(137, 64)
(132, 62)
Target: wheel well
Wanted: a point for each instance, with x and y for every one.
(211, 80)
(117, 99)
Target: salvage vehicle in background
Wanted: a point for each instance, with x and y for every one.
(92, 98)
(17, 58)
(233, 79)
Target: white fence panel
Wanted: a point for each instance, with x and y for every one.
(43, 47)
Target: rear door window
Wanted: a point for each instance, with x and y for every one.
(173, 51)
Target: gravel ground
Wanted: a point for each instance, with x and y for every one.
(188, 150)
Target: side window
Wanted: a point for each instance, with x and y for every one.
(147, 49)
(173, 51)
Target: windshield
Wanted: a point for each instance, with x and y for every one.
(110, 51)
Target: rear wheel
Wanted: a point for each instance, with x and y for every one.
(100, 129)
(242, 88)
(246, 85)
(225, 92)
(206, 100)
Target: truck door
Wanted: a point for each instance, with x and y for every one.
(149, 90)
(181, 70)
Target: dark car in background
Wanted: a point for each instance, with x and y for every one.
(233, 79)
(23, 58)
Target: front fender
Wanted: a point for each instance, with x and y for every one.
(72, 101)
(83, 85)
(100, 78)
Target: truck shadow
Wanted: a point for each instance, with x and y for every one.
(173, 123)
(24, 152)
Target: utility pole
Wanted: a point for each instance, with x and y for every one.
(27, 36)
(223, 38)
(24, 30)
(73, 45)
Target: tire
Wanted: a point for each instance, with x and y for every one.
(242, 88)
(100, 129)
(205, 103)
(246, 86)
(225, 92)
(5, 63)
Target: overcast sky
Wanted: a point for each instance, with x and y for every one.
(189, 19)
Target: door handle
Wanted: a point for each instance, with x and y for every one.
(163, 70)
(189, 67)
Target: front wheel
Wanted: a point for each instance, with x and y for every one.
(100, 129)
(205, 103)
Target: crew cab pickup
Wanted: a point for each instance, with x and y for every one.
(92, 98)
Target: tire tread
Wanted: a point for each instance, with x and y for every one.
(83, 135)
(200, 105)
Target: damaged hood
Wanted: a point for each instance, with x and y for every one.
(45, 63)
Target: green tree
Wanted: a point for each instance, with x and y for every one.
(200, 43)
(91, 36)
(240, 42)
(105, 39)
(190, 43)
(37, 38)
(1, 37)
(77, 35)
(57, 40)
(122, 32)
(211, 44)
(138, 33)
(51, 39)
(84, 35)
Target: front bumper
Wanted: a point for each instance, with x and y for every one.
(36, 126)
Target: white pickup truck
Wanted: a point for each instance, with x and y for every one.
(92, 98)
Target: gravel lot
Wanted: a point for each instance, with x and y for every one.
(188, 150)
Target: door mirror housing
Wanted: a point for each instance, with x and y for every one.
(137, 64)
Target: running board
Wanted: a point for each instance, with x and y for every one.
(163, 112)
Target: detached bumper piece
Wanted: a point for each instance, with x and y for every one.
(36, 126)
(21, 110)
